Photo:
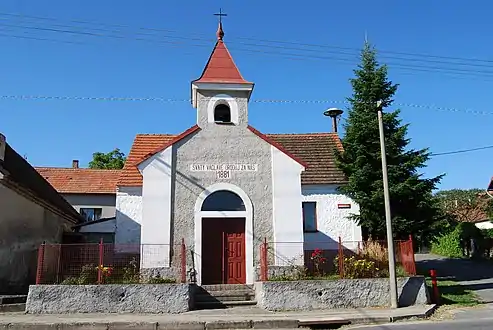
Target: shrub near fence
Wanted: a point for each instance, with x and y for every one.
(102, 263)
(343, 259)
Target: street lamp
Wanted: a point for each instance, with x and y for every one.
(388, 218)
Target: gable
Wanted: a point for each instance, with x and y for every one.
(314, 150)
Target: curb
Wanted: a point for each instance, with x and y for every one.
(251, 323)
(191, 325)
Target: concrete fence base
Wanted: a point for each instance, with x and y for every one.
(346, 293)
(110, 298)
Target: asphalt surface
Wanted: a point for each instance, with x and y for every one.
(481, 324)
(474, 275)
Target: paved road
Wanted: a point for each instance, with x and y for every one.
(481, 324)
(474, 275)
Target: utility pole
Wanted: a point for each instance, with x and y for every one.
(388, 217)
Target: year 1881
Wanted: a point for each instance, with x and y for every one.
(223, 174)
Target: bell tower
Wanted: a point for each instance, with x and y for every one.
(221, 94)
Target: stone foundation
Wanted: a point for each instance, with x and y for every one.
(162, 272)
(331, 294)
(110, 298)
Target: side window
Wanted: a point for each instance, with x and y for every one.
(222, 114)
(309, 217)
(91, 214)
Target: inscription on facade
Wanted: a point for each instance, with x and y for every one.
(223, 171)
(224, 167)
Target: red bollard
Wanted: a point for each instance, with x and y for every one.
(434, 284)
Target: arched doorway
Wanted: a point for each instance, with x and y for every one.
(223, 219)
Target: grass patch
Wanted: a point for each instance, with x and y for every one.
(452, 293)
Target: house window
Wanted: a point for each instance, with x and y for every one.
(222, 114)
(91, 214)
(309, 216)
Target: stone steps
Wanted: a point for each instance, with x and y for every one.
(12, 303)
(12, 299)
(224, 296)
(10, 308)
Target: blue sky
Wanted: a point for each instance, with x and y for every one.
(108, 58)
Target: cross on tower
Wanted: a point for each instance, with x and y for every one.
(220, 14)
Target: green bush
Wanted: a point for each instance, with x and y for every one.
(88, 275)
(448, 245)
(161, 280)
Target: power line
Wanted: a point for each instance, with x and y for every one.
(461, 151)
(85, 22)
(295, 56)
(421, 68)
(261, 101)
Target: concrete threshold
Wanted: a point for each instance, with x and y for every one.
(220, 319)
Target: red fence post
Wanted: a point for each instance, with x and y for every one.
(341, 259)
(41, 261)
(263, 261)
(183, 261)
(434, 284)
(101, 260)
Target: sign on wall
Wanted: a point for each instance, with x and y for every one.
(223, 171)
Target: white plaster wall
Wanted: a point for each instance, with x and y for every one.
(286, 209)
(332, 222)
(128, 215)
(156, 209)
(484, 225)
(100, 227)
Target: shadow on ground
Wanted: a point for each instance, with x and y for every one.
(458, 269)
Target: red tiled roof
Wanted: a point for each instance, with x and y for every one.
(277, 145)
(81, 180)
(221, 68)
(314, 150)
(177, 138)
(143, 145)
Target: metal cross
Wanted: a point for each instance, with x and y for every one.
(220, 14)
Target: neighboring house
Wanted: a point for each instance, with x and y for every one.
(222, 183)
(31, 212)
(486, 223)
(92, 192)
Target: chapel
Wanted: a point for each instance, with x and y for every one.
(222, 187)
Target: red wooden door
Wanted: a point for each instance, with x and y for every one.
(223, 251)
(234, 256)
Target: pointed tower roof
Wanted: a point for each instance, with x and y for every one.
(221, 69)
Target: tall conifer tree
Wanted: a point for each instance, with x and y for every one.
(414, 209)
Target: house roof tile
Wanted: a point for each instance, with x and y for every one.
(221, 67)
(81, 180)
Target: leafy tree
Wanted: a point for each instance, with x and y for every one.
(112, 160)
(470, 205)
(413, 206)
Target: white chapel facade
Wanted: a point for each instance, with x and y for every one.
(223, 187)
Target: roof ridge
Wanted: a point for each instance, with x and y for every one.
(76, 169)
(306, 133)
(156, 134)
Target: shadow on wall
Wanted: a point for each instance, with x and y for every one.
(21, 271)
(328, 246)
(312, 241)
(127, 230)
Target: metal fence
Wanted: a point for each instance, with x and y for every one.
(103, 263)
(343, 259)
